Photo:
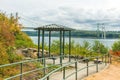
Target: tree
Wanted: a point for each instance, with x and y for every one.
(98, 47)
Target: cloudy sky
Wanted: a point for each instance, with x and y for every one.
(79, 14)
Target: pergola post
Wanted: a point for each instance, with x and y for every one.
(49, 43)
(42, 45)
(63, 44)
(69, 46)
(61, 47)
(38, 44)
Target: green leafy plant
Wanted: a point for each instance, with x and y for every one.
(98, 47)
(116, 46)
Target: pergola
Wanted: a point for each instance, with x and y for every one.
(50, 28)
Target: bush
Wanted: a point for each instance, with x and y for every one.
(99, 48)
(116, 46)
(23, 41)
(14, 58)
(3, 55)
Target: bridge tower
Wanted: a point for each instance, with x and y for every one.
(98, 31)
(103, 31)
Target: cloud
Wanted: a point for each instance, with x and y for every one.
(79, 14)
(78, 18)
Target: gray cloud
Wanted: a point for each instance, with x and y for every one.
(78, 18)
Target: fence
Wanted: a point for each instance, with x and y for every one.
(46, 75)
(105, 59)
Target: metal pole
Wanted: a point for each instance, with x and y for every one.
(44, 67)
(76, 70)
(61, 47)
(105, 60)
(69, 46)
(110, 59)
(38, 44)
(21, 71)
(48, 78)
(87, 68)
(64, 73)
(102, 58)
(53, 61)
(42, 45)
(98, 32)
(97, 65)
(49, 43)
(63, 43)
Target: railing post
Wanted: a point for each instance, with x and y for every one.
(64, 73)
(110, 59)
(105, 60)
(48, 78)
(44, 66)
(21, 66)
(87, 69)
(97, 64)
(76, 70)
(54, 61)
(53, 58)
(102, 58)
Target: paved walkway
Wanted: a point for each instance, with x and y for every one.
(59, 75)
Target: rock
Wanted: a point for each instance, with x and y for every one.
(33, 53)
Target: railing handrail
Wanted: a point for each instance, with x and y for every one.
(32, 60)
(16, 63)
(79, 70)
(25, 61)
(68, 65)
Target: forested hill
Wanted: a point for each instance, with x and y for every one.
(82, 34)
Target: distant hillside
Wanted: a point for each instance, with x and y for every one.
(82, 34)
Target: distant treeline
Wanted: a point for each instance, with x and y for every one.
(82, 34)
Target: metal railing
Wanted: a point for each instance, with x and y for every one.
(105, 59)
(20, 64)
(61, 67)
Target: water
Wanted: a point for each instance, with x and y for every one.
(107, 42)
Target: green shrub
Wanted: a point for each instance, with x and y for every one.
(14, 58)
(23, 41)
(98, 47)
(116, 46)
(3, 55)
